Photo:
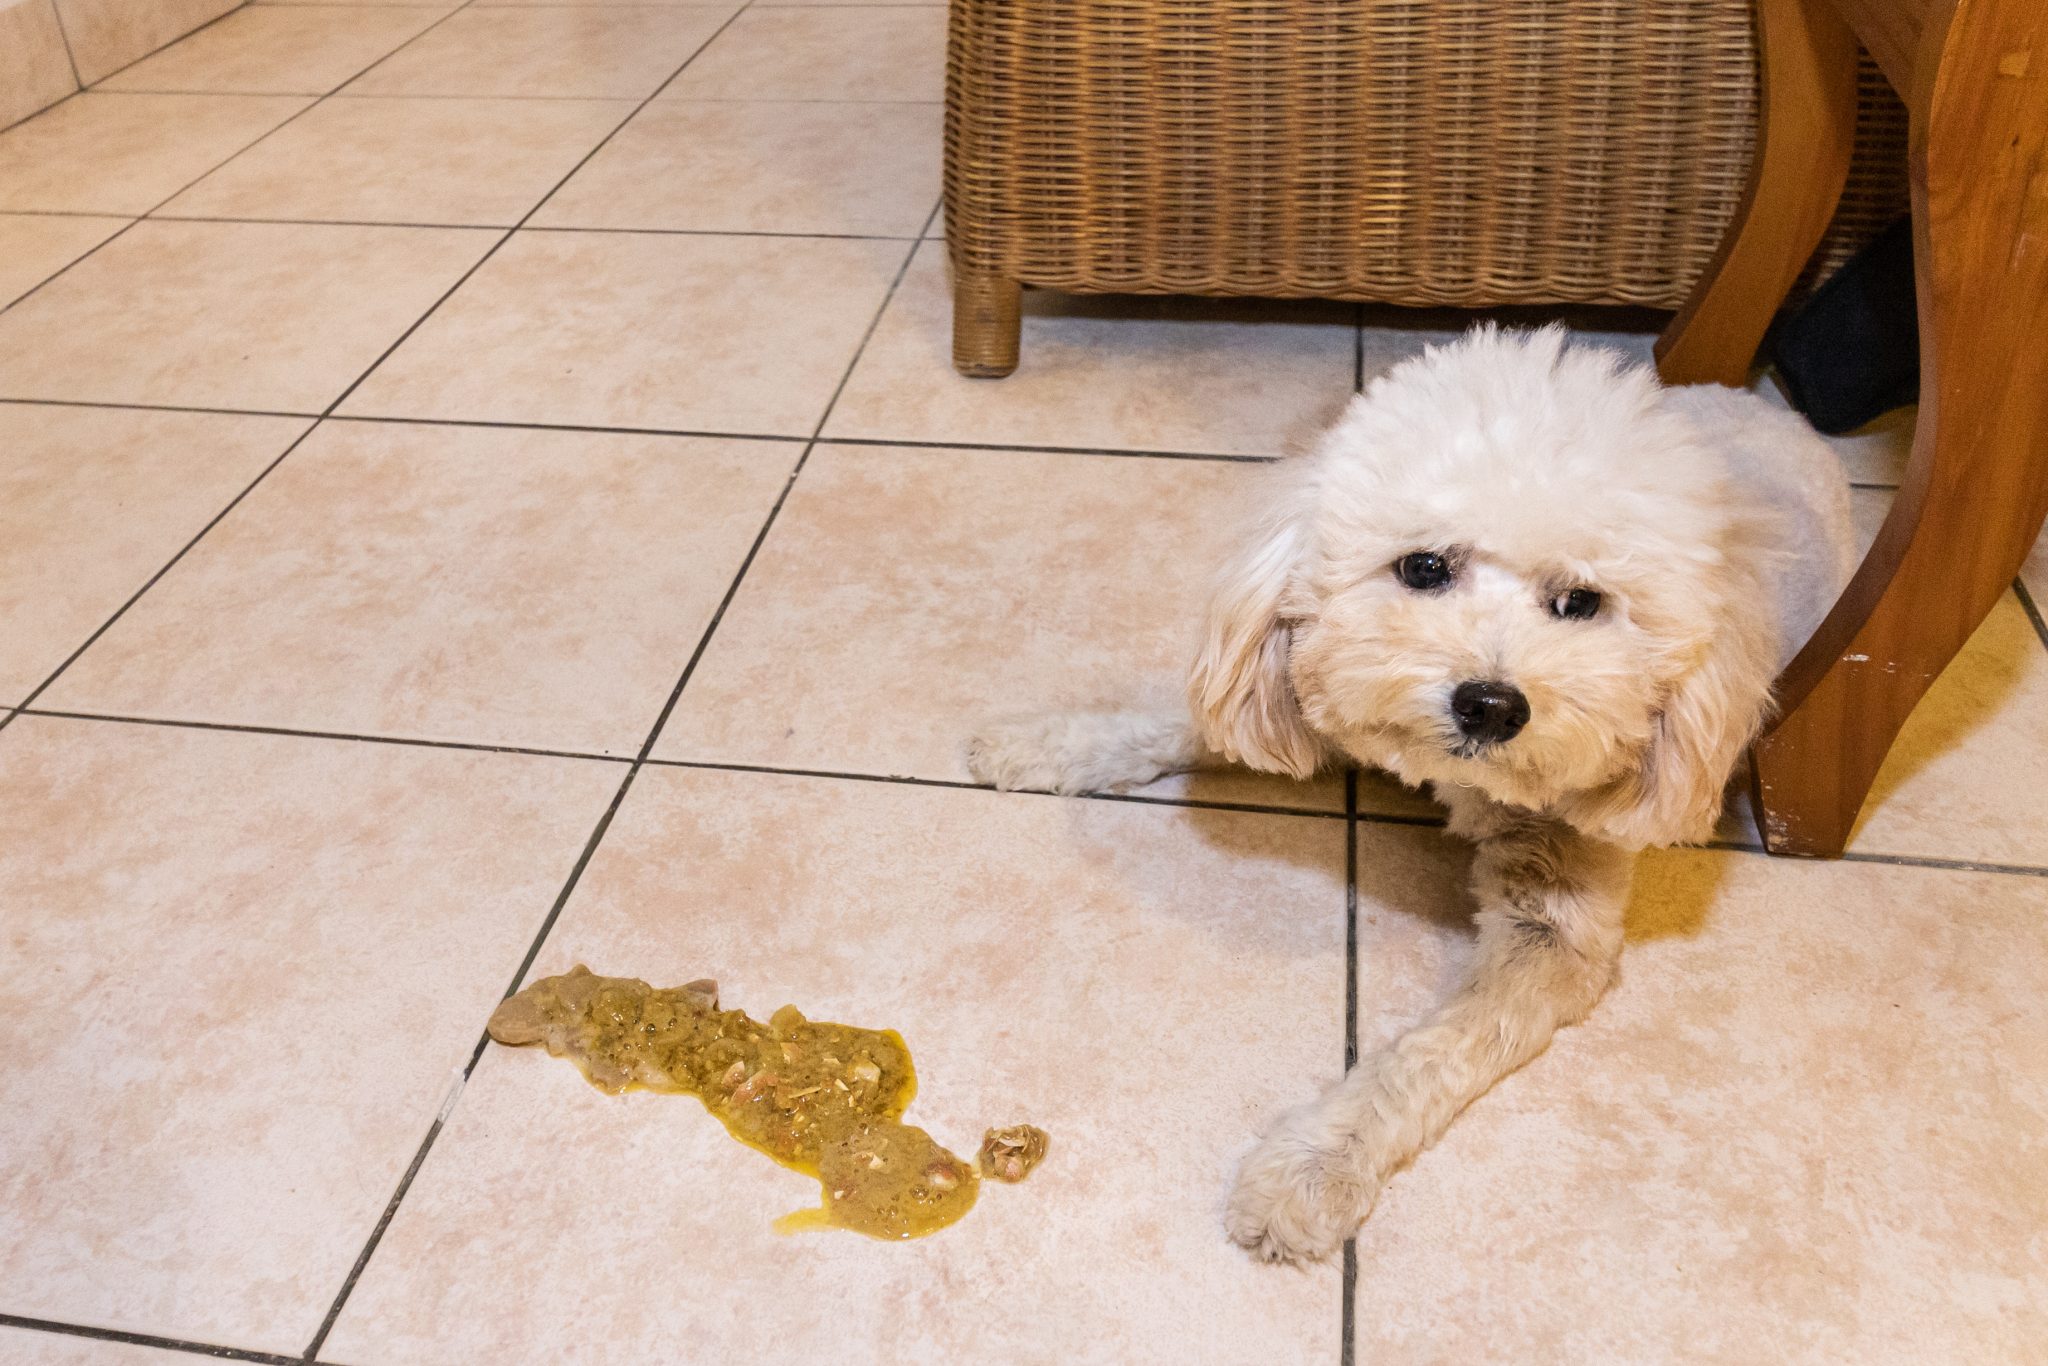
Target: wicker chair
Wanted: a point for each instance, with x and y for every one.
(1477, 153)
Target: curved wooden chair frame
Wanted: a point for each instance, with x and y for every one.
(1974, 75)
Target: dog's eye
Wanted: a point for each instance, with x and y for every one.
(1423, 570)
(1576, 604)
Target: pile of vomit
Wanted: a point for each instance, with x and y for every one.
(823, 1099)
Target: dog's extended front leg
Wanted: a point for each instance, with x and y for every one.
(1550, 910)
(1087, 751)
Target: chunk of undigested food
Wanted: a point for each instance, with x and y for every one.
(824, 1099)
(892, 1181)
(1009, 1153)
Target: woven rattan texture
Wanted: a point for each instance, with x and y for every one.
(1467, 152)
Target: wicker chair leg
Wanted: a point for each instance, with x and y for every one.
(987, 322)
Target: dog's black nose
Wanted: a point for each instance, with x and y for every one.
(1489, 712)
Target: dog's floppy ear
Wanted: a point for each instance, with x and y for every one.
(1242, 697)
(1708, 719)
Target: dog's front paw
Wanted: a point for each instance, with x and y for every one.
(1020, 752)
(1297, 1200)
(1050, 752)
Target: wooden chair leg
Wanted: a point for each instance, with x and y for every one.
(987, 323)
(1806, 131)
(1976, 490)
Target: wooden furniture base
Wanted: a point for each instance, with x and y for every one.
(1974, 74)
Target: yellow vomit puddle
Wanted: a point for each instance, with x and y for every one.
(823, 1099)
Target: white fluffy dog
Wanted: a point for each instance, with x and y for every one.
(1548, 588)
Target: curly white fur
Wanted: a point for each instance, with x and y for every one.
(1715, 529)
(1085, 751)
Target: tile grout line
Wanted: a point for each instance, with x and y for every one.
(604, 822)
(147, 215)
(769, 770)
(1117, 452)
(1940, 864)
(83, 1330)
(2033, 611)
(1360, 817)
(599, 4)
(488, 4)
(748, 99)
(351, 737)
(500, 9)
(158, 217)
(1351, 820)
(1347, 1303)
(960, 785)
(150, 407)
(1357, 348)
(70, 57)
(476, 1052)
(1756, 850)
(1121, 452)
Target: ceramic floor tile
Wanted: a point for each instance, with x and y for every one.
(1182, 375)
(535, 589)
(697, 333)
(822, 168)
(850, 53)
(907, 596)
(1868, 507)
(275, 317)
(1968, 776)
(1382, 344)
(1391, 335)
(1208, 944)
(95, 500)
(1877, 452)
(1874, 453)
(1805, 1126)
(623, 53)
(265, 50)
(125, 154)
(33, 247)
(28, 1347)
(258, 961)
(422, 161)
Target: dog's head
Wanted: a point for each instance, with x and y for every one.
(1509, 567)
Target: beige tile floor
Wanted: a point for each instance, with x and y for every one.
(482, 489)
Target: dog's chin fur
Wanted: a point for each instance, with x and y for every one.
(1715, 530)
